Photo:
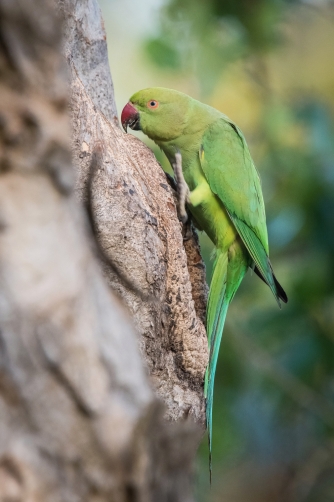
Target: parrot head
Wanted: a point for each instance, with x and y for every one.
(160, 113)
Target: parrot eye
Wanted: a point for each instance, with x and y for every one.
(153, 104)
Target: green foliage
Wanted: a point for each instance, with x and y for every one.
(163, 53)
(203, 37)
(194, 40)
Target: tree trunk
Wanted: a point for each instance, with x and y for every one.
(79, 417)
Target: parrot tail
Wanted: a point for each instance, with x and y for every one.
(228, 271)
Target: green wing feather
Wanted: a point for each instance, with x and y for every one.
(232, 176)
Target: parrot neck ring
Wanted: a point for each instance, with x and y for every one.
(130, 117)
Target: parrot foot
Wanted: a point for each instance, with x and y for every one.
(182, 188)
(187, 231)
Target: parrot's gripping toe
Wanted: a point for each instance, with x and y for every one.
(183, 217)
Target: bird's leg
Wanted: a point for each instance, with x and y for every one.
(182, 188)
(187, 232)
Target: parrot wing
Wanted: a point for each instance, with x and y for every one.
(232, 176)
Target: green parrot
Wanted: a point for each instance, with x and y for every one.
(219, 181)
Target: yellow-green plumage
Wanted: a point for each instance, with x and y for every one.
(225, 200)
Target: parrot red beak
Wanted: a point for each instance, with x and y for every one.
(130, 117)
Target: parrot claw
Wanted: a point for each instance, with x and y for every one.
(182, 188)
(187, 232)
(184, 218)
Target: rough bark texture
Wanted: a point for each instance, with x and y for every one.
(78, 418)
(137, 224)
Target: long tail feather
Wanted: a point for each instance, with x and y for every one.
(215, 322)
(280, 291)
(228, 271)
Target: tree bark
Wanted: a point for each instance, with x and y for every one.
(137, 223)
(78, 417)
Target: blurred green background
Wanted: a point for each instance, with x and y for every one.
(269, 65)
